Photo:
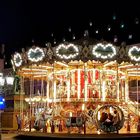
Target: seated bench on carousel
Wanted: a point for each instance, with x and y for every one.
(74, 122)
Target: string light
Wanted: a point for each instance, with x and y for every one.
(64, 39)
(114, 17)
(73, 37)
(90, 24)
(66, 47)
(122, 25)
(79, 87)
(98, 54)
(109, 28)
(132, 56)
(17, 60)
(136, 21)
(96, 31)
(54, 41)
(115, 38)
(130, 36)
(69, 29)
(35, 55)
(52, 34)
(86, 33)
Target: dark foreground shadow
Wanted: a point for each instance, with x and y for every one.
(77, 136)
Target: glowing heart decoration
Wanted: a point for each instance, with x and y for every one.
(35, 55)
(134, 53)
(69, 51)
(17, 60)
(107, 51)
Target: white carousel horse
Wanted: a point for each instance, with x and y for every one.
(42, 117)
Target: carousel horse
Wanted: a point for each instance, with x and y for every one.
(41, 119)
(90, 121)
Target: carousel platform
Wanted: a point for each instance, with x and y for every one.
(44, 136)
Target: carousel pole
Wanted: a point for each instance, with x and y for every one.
(138, 125)
(54, 86)
(21, 102)
(126, 88)
(22, 105)
(83, 109)
(42, 92)
(31, 82)
(86, 82)
(103, 88)
(79, 88)
(117, 79)
(48, 93)
(137, 92)
(30, 127)
(54, 99)
(126, 100)
(68, 85)
(85, 92)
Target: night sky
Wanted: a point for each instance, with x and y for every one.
(22, 21)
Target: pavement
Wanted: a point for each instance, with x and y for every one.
(44, 136)
(10, 136)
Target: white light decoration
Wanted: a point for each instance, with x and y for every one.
(118, 94)
(35, 55)
(33, 99)
(47, 67)
(68, 90)
(126, 91)
(96, 31)
(66, 48)
(68, 87)
(27, 99)
(83, 107)
(93, 76)
(44, 99)
(86, 82)
(48, 91)
(132, 56)
(110, 63)
(111, 109)
(103, 90)
(62, 64)
(9, 80)
(17, 60)
(99, 115)
(2, 81)
(38, 99)
(37, 73)
(54, 90)
(70, 114)
(86, 89)
(79, 88)
(126, 66)
(104, 48)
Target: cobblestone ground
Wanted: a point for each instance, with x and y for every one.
(8, 136)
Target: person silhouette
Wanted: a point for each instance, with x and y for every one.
(18, 122)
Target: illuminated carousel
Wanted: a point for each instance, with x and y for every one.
(79, 87)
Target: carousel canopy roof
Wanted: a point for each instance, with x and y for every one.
(86, 51)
